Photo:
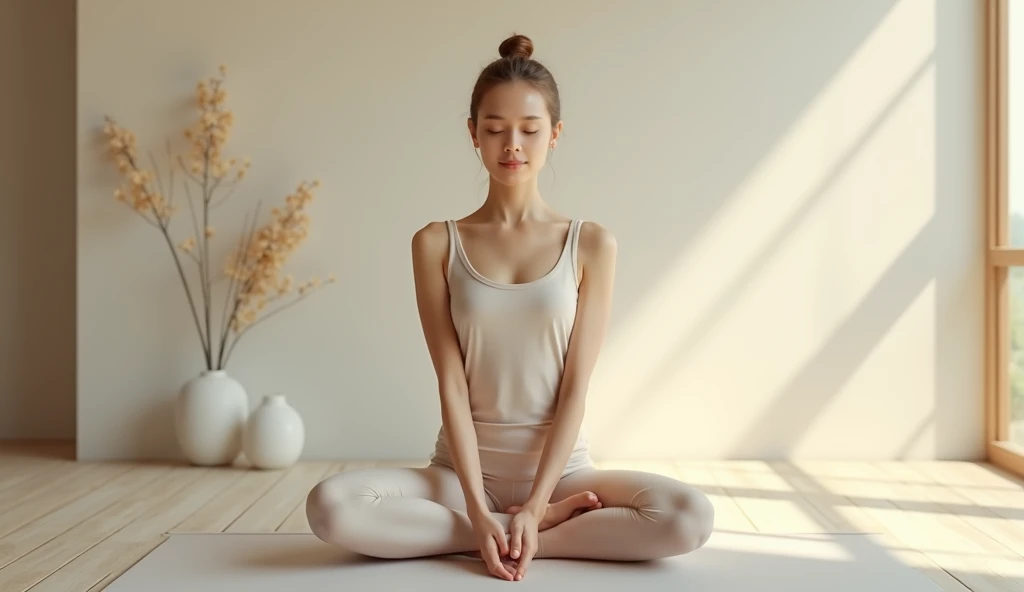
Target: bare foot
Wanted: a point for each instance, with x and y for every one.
(559, 512)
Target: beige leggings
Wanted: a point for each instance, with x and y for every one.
(417, 512)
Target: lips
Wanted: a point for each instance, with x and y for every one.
(512, 164)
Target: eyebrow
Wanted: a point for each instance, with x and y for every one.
(499, 117)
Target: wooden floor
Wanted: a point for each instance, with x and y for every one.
(69, 526)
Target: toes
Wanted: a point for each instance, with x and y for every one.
(592, 500)
(579, 511)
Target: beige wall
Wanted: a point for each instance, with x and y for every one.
(794, 185)
(37, 219)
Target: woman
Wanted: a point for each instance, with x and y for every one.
(514, 301)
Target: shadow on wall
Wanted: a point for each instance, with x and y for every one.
(687, 305)
(796, 405)
(37, 228)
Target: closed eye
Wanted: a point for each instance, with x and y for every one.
(495, 132)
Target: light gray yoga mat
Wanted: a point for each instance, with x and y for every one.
(738, 562)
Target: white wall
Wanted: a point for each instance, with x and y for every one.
(37, 219)
(795, 187)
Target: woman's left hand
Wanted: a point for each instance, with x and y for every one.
(523, 539)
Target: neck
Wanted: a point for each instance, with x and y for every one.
(513, 204)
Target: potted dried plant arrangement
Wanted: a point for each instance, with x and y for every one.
(225, 301)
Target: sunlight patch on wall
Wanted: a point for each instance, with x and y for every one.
(803, 240)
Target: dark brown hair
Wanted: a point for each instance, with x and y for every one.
(516, 64)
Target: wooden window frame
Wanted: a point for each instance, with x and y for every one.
(1000, 256)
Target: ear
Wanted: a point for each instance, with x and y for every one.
(472, 131)
(556, 131)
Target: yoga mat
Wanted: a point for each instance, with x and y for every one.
(730, 561)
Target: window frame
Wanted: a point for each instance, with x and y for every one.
(1000, 256)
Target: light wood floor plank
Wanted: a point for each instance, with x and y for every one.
(51, 556)
(851, 486)
(859, 484)
(27, 487)
(992, 493)
(921, 562)
(12, 473)
(881, 497)
(271, 510)
(47, 490)
(770, 503)
(959, 537)
(115, 554)
(840, 512)
(40, 531)
(981, 518)
(970, 474)
(221, 511)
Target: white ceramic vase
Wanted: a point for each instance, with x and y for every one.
(274, 434)
(210, 415)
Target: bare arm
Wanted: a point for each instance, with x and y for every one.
(598, 250)
(429, 251)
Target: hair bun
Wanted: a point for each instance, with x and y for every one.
(516, 46)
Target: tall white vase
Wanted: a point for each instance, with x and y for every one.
(210, 416)
(274, 435)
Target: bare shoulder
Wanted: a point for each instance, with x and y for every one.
(598, 245)
(431, 240)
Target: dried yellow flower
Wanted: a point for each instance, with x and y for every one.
(255, 271)
(139, 192)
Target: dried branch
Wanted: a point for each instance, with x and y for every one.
(253, 270)
(247, 328)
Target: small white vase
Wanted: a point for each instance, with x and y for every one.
(274, 434)
(210, 415)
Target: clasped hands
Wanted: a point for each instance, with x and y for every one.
(509, 559)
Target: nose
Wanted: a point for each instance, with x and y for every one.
(513, 143)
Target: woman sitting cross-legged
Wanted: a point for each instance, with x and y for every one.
(514, 301)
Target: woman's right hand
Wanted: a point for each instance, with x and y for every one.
(493, 544)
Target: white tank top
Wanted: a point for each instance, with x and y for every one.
(514, 339)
